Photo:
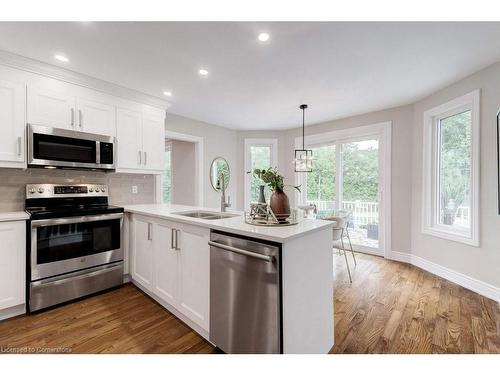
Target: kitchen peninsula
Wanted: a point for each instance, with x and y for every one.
(188, 258)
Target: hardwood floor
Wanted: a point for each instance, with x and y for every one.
(391, 307)
(123, 320)
(394, 307)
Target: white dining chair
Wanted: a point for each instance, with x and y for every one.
(347, 215)
(338, 238)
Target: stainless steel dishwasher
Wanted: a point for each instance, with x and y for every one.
(245, 311)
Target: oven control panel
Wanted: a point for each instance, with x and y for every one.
(70, 191)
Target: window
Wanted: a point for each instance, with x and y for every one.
(451, 170)
(320, 184)
(166, 180)
(262, 154)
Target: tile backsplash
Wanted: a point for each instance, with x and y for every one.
(13, 182)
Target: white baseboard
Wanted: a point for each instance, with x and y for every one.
(467, 282)
(12, 311)
(400, 256)
(478, 286)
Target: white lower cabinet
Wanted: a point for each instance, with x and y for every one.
(142, 257)
(194, 274)
(172, 261)
(165, 259)
(12, 264)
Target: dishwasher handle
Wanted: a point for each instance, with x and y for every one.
(247, 253)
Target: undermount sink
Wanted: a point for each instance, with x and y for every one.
(206, 215)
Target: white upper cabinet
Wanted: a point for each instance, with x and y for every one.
(141, 140)
(12, 122)
(129, 138)
(51, 106)
(62, 105)
(12, 264)
(29, 98)
(96, 116)
(153, 140)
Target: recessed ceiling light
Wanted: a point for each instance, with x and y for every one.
(61, 58)
(263, 37)
(167, 93)
(203, 72)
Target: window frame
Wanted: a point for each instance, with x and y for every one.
(431, 169)
(250, 142)
(168, 147)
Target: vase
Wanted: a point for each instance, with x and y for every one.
(280, 205)
(262, 196)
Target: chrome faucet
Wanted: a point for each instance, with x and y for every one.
(222, 186)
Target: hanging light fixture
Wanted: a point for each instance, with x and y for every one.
(303, 158)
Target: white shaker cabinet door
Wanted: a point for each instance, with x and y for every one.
(12, 264)
(51, 107)
(95, 116)
(142, 253)
(194, 278)
(12, 122)
(129, 138)
(153, 141)
(165, 263)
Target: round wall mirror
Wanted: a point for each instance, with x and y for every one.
(219, 166)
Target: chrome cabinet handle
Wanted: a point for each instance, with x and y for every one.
(145, 157)
(80, 118)
(140, 158)
(172, 238)
(72, 117)
(251, 254)
(150, 237)
(19, 146)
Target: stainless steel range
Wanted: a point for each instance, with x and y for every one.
(74, 243)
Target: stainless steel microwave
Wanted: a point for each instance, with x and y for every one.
(61, 148)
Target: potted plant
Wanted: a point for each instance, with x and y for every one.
(279, 203)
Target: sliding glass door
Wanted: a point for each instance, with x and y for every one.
(345, 181)
(360, 191)
(320, 184)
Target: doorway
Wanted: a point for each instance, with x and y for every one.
(348, 179)
(178, 184)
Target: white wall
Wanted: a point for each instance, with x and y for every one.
(183, 162)
(218, 141)
(481, 263)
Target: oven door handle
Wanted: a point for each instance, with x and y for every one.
(76, 219)
(85, 274)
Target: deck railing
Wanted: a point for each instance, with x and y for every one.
(368, 212)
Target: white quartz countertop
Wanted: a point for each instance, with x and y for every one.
(13, 215)
(234, 225)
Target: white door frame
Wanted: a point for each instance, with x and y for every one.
(273, 142)
(382, 131)
(199, 176)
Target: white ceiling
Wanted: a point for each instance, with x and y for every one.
(339, 69)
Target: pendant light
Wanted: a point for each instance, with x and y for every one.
(303, 158)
